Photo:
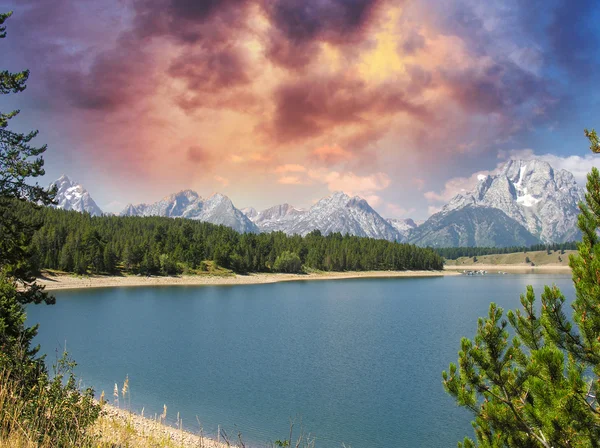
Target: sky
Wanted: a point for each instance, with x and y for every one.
(402, 102)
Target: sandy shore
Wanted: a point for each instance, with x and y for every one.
(123, 428)
(514, 268)
(67, 281)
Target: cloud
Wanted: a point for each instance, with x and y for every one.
(457, 185)
(351, 88)
(199, 155)
(331, 155)
(189, 21)
(432, 209)
(310, 107)
(351, 183)
(373, 200)
(222, 180)
(208, 73)
(291, 180)
(397, 211)
(367, 186)
(298, 25)
(290, 168)
(413, 42)
(290, 174)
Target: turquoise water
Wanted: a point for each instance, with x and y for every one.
(357, 361)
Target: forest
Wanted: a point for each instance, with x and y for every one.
(79, 243)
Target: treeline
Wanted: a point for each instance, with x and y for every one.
(452, 253)
(76, 242)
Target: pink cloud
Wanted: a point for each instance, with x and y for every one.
(290, 180)
(290, 168)
(222, 180)
(331, 155)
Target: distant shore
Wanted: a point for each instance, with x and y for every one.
(54, 281)
(513, 268)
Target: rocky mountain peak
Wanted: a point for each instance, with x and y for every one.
(250, 212)
(538, 197)
(337, 197)
(217, 209)
(72, 196)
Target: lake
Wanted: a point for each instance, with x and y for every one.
(356, 361)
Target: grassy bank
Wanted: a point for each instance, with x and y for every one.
(518, 259)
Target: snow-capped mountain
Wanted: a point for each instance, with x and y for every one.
(217, 209)
(72, 196)
(277, 218)
(134, 210)
(532, 193)
(335, 213)
(524, 203)
(537, 204)
(403, 226)
(250, 212)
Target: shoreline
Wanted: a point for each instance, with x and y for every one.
(514, 268)
(122, 426)
(57, 282)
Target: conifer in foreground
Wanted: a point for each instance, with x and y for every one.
(540, 387)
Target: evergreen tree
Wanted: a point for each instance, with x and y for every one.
(288, 262)
(539, 389)
(25, 381)
(109, 260)
(18, 162)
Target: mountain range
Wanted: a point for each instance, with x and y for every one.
(523, 203)
(217, 209)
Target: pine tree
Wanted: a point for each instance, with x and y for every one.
(18, 162)
(540, 388)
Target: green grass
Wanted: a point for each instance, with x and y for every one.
(539, 258)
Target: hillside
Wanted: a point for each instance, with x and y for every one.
(539, 258)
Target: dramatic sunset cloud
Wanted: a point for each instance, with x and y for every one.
(274, 101)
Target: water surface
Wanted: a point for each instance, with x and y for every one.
(359, 361)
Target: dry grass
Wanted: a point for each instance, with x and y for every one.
(120, 428)
(539, 258)
(38, 421)
(115, 428)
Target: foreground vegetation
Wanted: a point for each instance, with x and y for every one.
(37, 408)
(537, 385)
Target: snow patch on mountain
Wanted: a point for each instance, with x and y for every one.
(532, 193)
(217, 209)
(277, 218)
(335, 213)
(403, 227)
(72, 196)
